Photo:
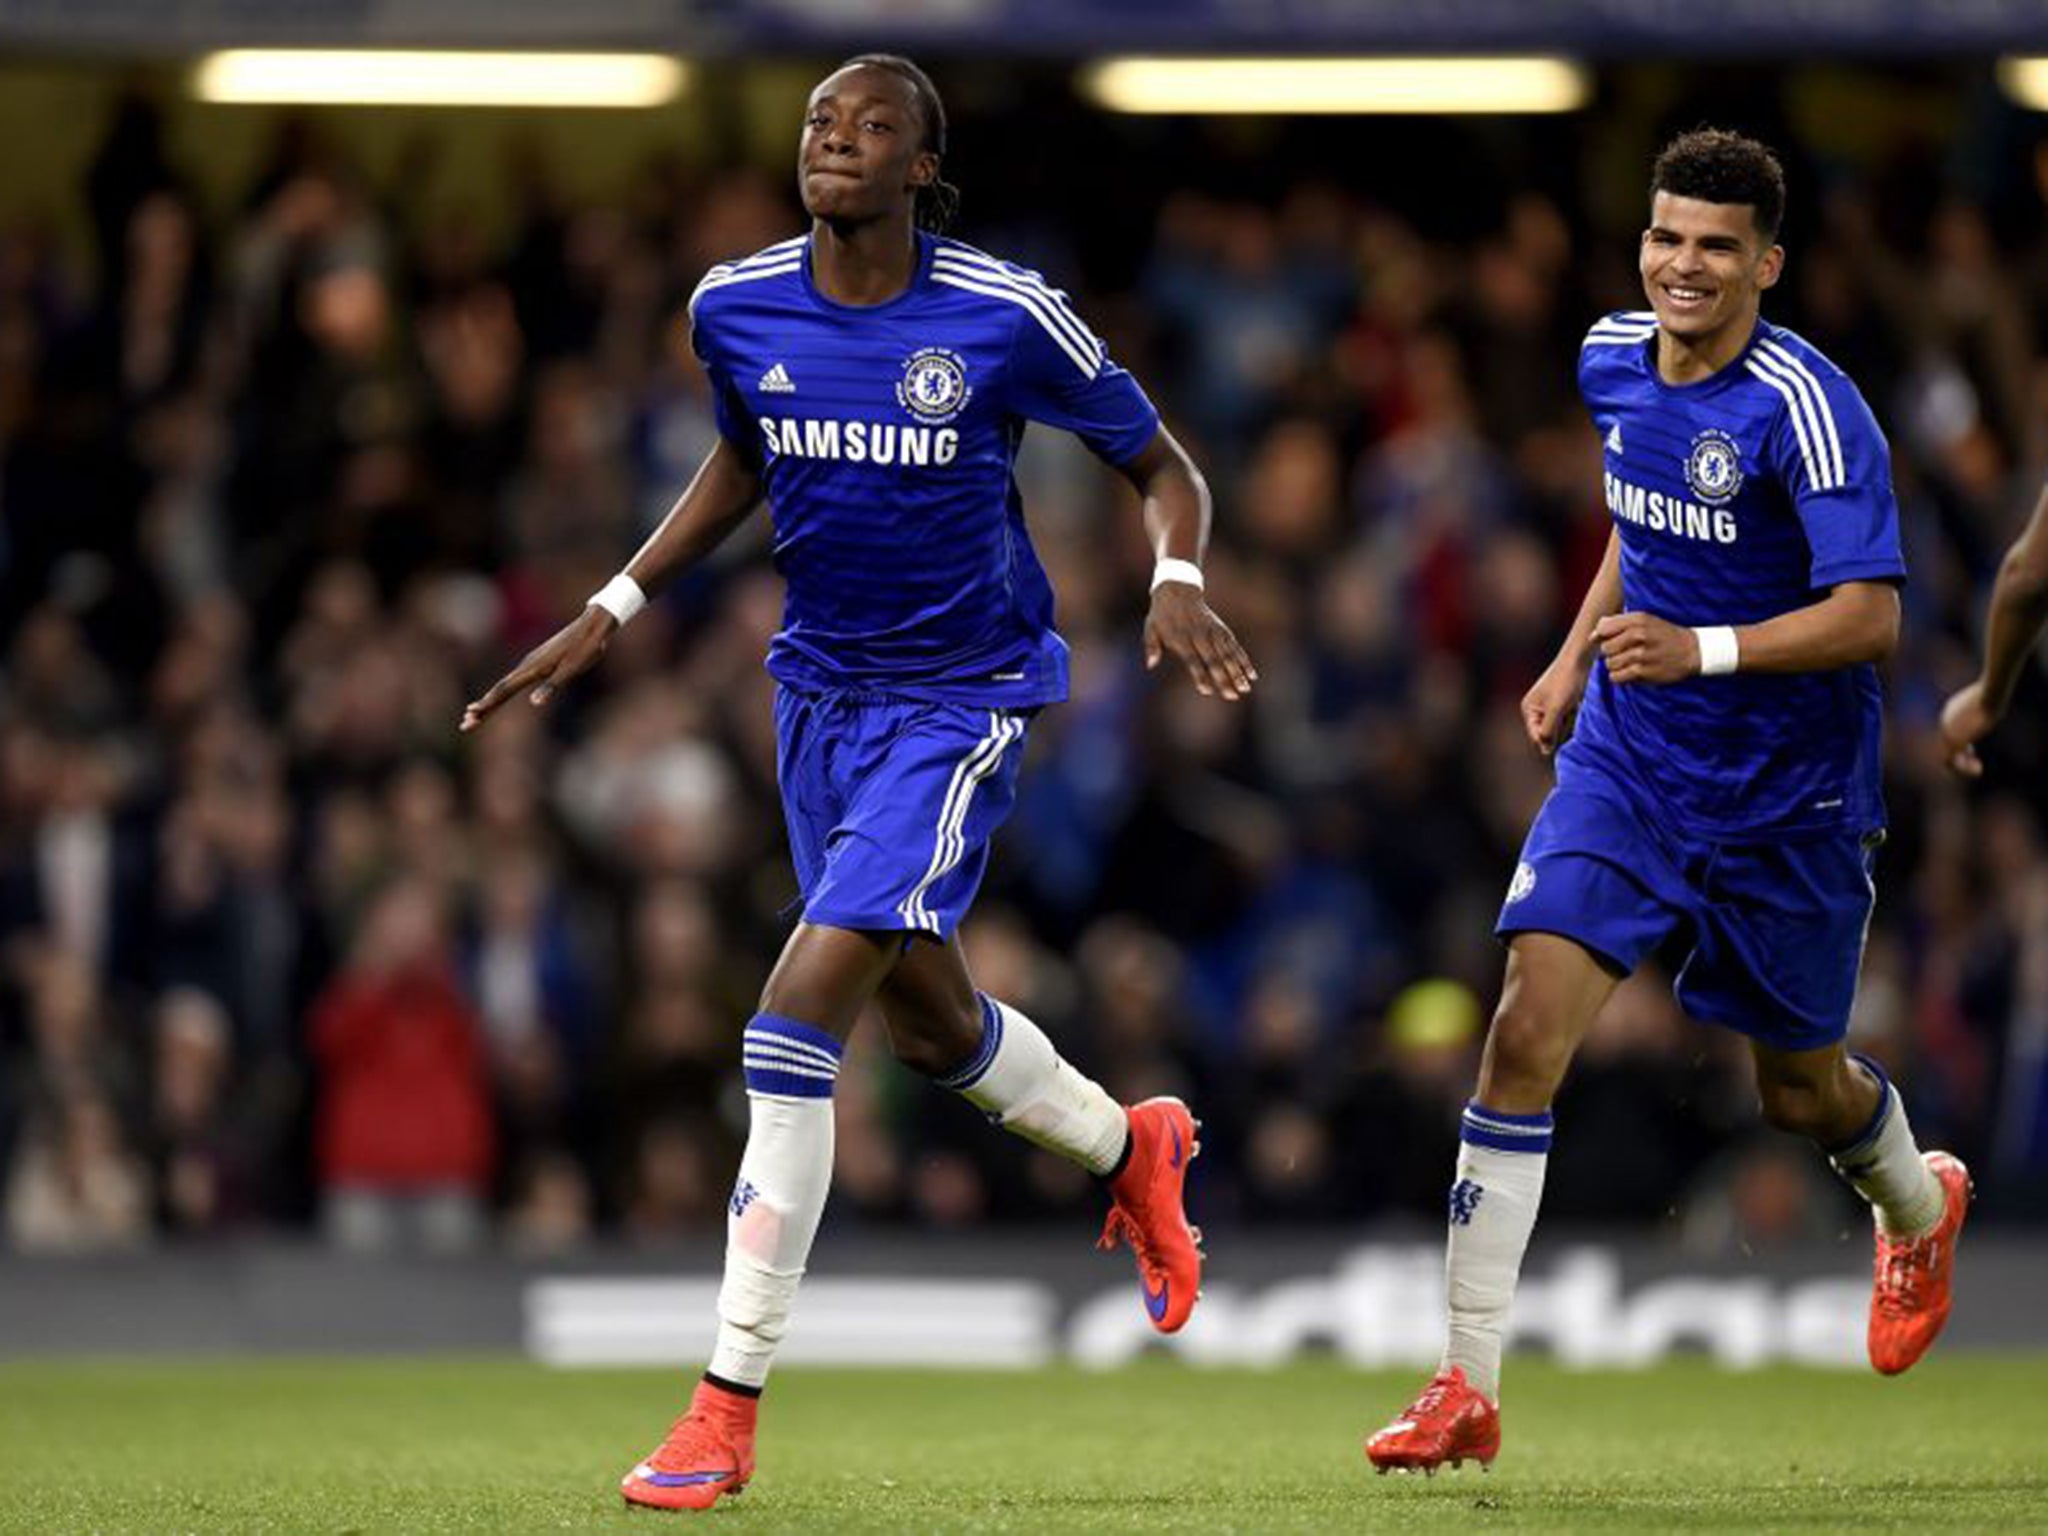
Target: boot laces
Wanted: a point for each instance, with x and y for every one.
(692, 1442)
(1904, 1268)
(1120, 1227)
(1432, 1399)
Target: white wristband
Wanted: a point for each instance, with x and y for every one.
(1719, 654)
(620, 597)
(1177, 570)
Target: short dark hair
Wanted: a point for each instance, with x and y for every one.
(1717, 166)
(940, 201)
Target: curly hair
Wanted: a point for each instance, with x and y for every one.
(1717, 166)
(938, 203)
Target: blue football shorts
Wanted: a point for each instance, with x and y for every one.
(1772, 930)
(891, 803)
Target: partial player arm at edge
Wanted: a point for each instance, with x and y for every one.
(1550, 704)
(2019, 609)
(717, 500)
(1177, 515)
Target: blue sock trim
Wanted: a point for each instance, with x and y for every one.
(975, 1067)
(789, 1058)
(1542, 1120)
(1870, 1132)
(1503, 1132)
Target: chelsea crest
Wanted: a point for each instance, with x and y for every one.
(1714, 467)
(934, 387)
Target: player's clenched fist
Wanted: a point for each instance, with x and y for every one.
(567, 654)
(1642, 648)
(1549, 707)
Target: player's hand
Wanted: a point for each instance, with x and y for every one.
(549, 667)
(1550, 706)
(1966, 720)
(1642, 648)
(1182, 624)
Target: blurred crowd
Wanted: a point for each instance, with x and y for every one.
(283, 483)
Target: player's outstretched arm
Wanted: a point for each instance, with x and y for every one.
(1549, 706)
(1858, 621)
(718, 499)
(2019, 608)
(1181, 623)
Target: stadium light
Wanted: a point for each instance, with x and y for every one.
(436, 78)
(2025, 81)
(1332, 85)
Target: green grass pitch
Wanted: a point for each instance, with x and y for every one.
(461, 1445)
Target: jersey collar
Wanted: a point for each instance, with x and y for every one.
(1728, 373)
(927, 243)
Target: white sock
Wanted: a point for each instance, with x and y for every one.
(1883, 1165)
(1027, 1087)
(780, 1193)
(1501, 1158)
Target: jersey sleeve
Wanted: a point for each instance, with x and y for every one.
(1833, 459)
(1589, 391)
(1062, 375)
(1604, 355)
(728, 407)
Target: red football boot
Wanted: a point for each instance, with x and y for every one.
(1451, 1421)
(1910, 1298)
(1148, 1213)
(709, 1451)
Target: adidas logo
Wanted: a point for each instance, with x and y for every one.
(776, 381)
(1613, 432)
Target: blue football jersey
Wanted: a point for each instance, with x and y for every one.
(1739, 497)
(886, 437)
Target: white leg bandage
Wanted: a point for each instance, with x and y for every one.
(1027, 1087)
(1883, 1165)
(1499, 1185)
(779, 1196)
